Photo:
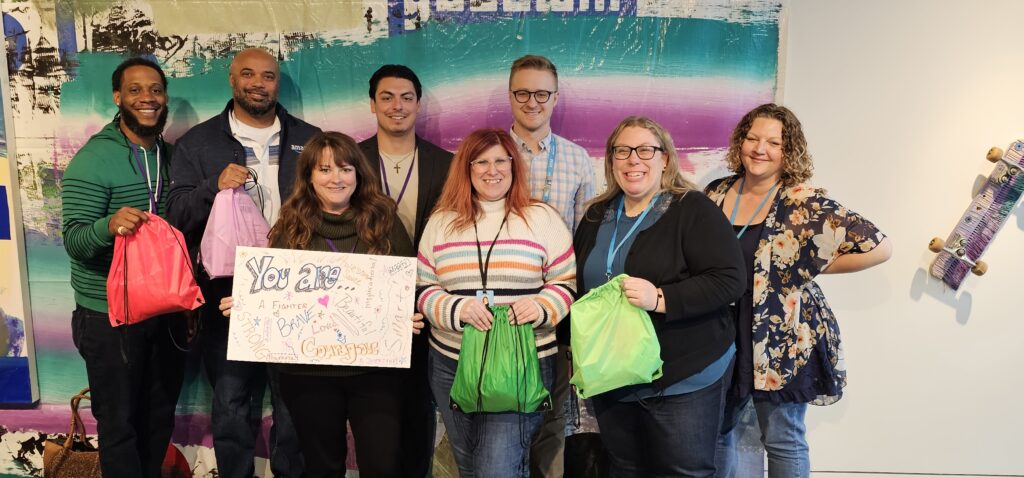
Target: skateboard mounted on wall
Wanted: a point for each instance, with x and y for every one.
(962, 250)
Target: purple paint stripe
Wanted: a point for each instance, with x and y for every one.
(189, 429)
(48, 418)
(53, 335)
(699, 112)
(194, 429)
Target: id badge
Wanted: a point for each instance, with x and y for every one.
(489, 301)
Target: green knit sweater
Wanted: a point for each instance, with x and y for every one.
(341, 230)
(102, 178)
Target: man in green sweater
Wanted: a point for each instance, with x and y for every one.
(135, 371)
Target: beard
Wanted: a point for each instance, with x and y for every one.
(254, 109)
(144, 131)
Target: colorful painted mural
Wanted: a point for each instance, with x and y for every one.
(696, 67)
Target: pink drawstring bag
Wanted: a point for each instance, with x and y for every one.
(235, 220)
(150, 275)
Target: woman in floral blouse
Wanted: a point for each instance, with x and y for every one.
(788, 348)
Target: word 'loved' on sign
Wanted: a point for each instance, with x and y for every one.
(322, 308)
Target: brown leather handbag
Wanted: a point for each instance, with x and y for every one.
(75, 458)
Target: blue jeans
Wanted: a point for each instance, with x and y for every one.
(663, 436)
(491, 445)
(237, 411)
(783, 435)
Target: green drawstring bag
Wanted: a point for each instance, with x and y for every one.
(498, 369)
(613, 342)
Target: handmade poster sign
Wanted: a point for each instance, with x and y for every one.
(321, 308)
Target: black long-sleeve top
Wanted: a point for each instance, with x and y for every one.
(691, 253)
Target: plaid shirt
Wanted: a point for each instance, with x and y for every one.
(572, 183)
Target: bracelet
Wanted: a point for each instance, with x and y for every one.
(656, 301)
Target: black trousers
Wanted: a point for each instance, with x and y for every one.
(370, 402)
(135, 374)
(419, 417)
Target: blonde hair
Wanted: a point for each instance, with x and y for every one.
(533, 62)
(672, 180)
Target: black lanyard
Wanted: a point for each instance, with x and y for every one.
(485, 265)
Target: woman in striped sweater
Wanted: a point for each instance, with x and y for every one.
(489, 243)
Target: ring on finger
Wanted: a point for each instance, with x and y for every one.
(121, 230)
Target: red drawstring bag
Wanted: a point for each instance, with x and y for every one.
(150, 275)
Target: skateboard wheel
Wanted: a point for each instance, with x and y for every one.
(994, 154)
(980, 268)
(936, 245)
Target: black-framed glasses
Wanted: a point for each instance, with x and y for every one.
(542, 96)
(484, 165)
(643, 152)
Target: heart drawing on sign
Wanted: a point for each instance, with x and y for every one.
(323, 300)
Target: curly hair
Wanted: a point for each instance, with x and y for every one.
(797, 164)
(459, 196)
(374, 212)
(671, 180)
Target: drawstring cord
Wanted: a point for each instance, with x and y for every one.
(255, 183)
(520, 357)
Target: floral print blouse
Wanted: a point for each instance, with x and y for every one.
(804, 232)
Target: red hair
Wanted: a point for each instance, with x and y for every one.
(458, 195)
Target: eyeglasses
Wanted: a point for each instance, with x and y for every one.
(643, 152)
(542, 96)
(484, 165)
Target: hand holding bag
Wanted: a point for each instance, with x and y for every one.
(235, 220)
(150, 274)
(613, 342)
(75, 458)
(499, 370)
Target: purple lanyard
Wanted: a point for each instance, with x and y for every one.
(330, 244)
(149, 187)
(384, 176)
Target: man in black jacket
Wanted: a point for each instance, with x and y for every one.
(254, 142)
(412, 172)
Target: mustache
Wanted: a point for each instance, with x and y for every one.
(133, 123)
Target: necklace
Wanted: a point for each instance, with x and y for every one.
(398, 164)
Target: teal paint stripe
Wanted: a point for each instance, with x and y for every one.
(322, 73)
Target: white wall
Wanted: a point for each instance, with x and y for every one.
(900, 100)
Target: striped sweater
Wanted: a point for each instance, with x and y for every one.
(531, 258)
(102, 178)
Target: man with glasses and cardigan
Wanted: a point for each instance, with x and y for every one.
(562, 175)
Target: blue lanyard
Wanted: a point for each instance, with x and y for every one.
(551, 168)
(613, 247)
(736, 206)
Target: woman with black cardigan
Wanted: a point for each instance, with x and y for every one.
(685, 268)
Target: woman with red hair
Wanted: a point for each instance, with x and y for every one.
(486, 244)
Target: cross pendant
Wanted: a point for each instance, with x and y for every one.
(397, 169)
